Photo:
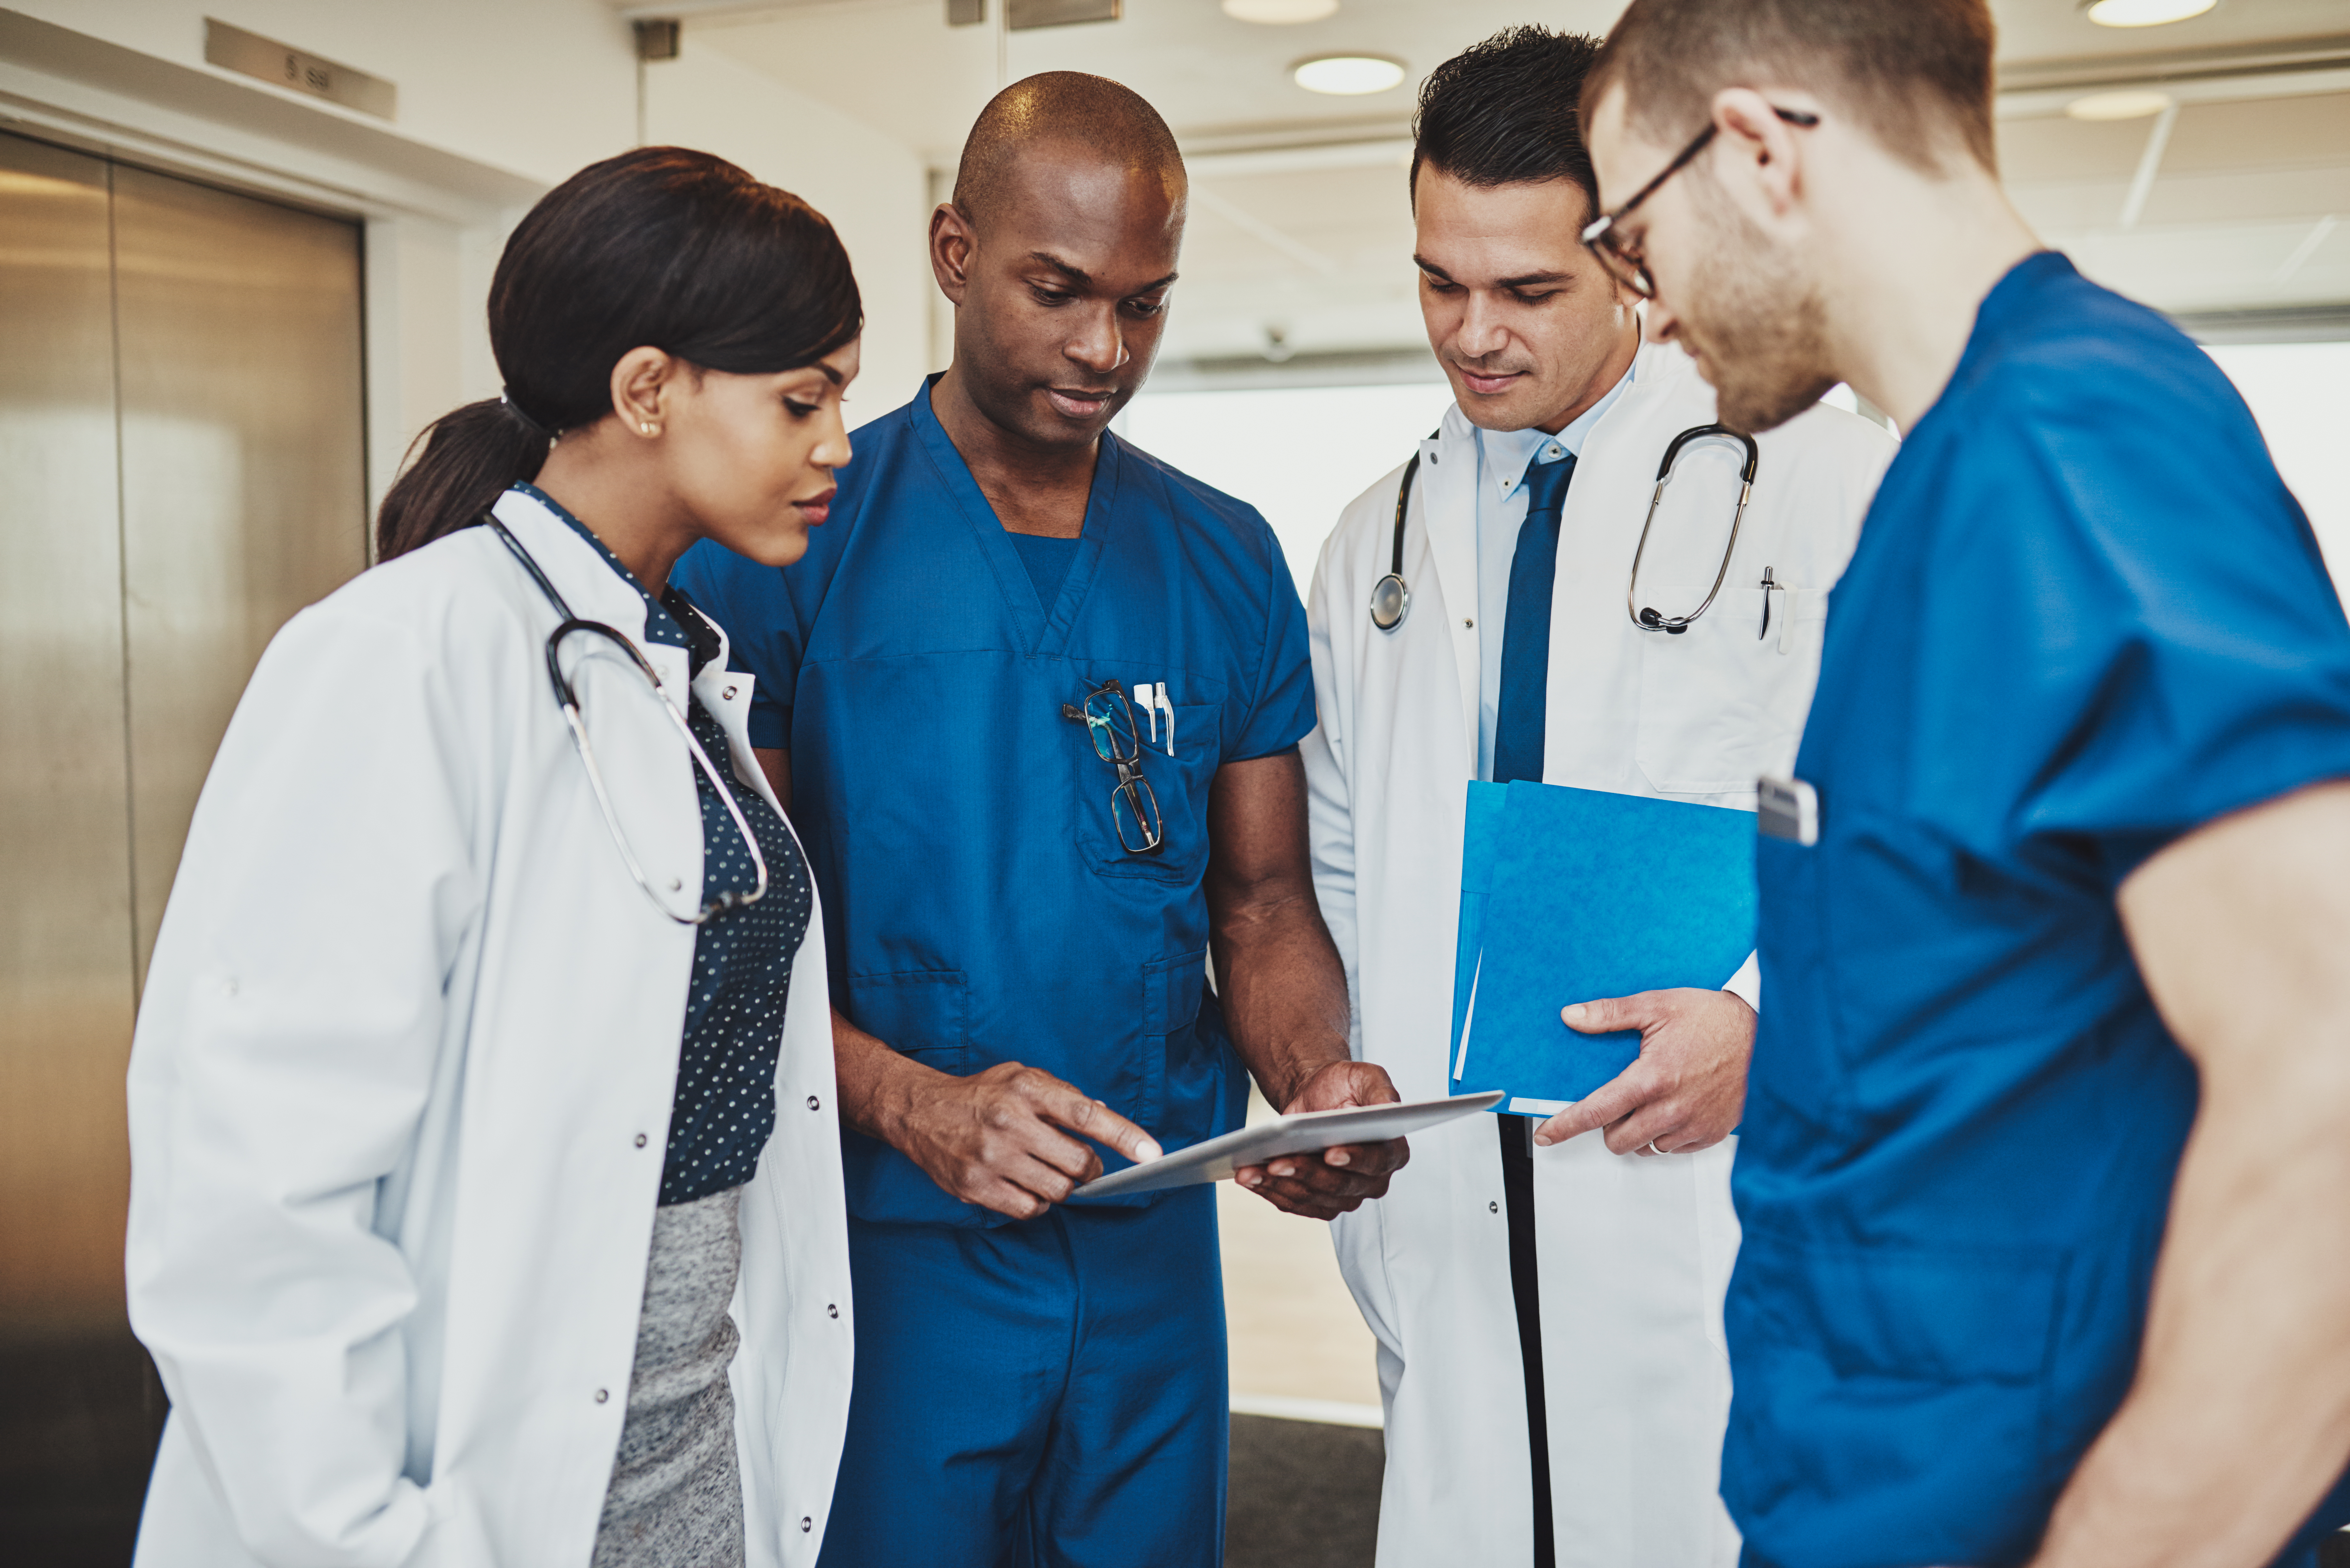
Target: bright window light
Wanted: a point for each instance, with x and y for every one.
(2300, 393)
(2146, 13)
(1298, 455)
(1348, 75)
(2130, 103)
(1280, 12)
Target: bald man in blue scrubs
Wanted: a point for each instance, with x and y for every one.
(1034, 698)
(2045, 1173)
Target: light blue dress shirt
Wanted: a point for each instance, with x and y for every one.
(1503, 459)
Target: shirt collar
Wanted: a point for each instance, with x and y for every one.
(1506, 455)
(665, 618)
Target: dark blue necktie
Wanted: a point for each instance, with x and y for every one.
(1519, 723)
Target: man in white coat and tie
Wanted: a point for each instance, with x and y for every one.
(1547, 1300)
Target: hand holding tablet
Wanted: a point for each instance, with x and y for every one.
(1305, 1132)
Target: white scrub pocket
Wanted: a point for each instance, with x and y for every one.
(1703, 717)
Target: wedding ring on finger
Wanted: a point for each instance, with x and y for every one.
(1651, 1147)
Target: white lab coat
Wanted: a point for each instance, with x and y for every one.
(400, 1090)
(1633, 1252)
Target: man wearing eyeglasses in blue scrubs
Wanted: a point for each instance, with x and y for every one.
(1033, 700)
(2045, 1172)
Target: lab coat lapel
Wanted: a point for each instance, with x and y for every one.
(636, 750)
(1448, 505)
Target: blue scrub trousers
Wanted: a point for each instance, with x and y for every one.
(1049, 1394)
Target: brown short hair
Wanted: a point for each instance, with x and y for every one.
(1915, 73)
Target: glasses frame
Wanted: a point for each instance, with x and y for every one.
(1625, 262)
(1141, 800)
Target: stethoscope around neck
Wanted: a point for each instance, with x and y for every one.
(1391, 594)
(567, 699)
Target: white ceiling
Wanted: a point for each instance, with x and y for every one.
(1300, 224)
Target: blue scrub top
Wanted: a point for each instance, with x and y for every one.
(978, 906)
(2086, 618)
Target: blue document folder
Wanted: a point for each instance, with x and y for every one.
(1571, 895)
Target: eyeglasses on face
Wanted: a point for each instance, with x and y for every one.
(1133, 808)
(1621, 256)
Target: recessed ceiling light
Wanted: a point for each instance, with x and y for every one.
(2130, 103)
(2145, 13)
(1348, 75)
(1280, 12)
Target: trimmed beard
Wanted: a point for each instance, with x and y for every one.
(1762, 328)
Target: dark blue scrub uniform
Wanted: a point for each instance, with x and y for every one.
(1050, 1391)
(2085, 618)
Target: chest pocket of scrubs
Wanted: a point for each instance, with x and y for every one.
(1180, 784)
(1702, 725)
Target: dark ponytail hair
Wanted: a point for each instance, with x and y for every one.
(662, 247)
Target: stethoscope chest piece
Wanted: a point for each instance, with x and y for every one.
(1391, 595)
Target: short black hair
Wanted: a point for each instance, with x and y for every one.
(1508, 111)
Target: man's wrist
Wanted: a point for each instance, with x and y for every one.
(1302, 1071)
(894, 1083)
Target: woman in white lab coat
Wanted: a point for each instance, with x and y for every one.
(1632, 1252)
(482, 1092)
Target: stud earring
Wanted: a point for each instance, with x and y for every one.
(650, 428)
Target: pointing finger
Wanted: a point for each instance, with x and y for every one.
(1090, 1118)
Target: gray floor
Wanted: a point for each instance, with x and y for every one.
(1303, 1495)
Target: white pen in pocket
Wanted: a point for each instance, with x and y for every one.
(1170, 709)
(1143, 700)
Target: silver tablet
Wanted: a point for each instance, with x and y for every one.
(1303, 1133)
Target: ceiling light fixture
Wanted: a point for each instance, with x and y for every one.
(1348, 76)
(2144, 13)
(2128, 103)
(1280, 12)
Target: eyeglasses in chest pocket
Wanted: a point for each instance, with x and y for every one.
(1139, 779)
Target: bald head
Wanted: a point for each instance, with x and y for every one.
(1067, 109)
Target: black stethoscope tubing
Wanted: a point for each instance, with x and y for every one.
(1391, 594)
(1649, 620)
(568, 699)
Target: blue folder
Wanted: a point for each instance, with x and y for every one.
(1571, 895)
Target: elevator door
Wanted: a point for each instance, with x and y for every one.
(181, 469)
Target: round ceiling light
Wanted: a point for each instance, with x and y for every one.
(1348, 75)
(2145, 13)
(1280, 12)
(2130, 103)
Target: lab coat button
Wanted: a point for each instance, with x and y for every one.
(832, 1309)
(602, 1395)
(1492, 1208)
(675, 883)
(814, 1103)
(807, 1524)
(1470, 624)
(727, 695)
(641, 1140)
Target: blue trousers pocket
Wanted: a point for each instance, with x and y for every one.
(1890, 1402)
